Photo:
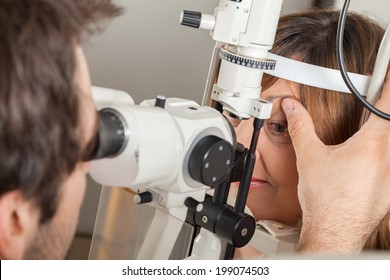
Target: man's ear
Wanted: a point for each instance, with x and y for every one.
(19, 219)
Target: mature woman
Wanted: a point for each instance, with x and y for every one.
(310, 37)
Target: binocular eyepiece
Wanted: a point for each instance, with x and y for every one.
(112, 135)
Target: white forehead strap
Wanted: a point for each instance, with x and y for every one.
(316, 76)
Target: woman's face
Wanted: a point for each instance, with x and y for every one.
(273, 189)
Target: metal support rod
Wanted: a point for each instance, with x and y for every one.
(221, 193)
(243, 189)
(229, 252)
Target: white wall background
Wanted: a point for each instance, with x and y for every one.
(146, 52)
(378, 10)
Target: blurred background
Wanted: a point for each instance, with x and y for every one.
(146, 52)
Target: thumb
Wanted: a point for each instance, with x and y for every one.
(384, 100)
(300, 126)
(382, 104)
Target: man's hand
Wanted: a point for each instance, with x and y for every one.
(344, 190)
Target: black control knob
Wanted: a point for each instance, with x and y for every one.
(144, 197)
(236, 229)
(210, 160)
(160, 101)
(191, 19)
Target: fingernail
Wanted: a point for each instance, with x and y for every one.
(288, 106)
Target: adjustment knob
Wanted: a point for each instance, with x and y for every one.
(144, 197)
(191, 18)
(160, 101)
(236, 229)
(210, 160)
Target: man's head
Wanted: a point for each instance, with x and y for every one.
(47, 118)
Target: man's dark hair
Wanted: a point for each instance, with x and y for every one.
(40, 134)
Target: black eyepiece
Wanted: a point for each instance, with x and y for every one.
(112, 135)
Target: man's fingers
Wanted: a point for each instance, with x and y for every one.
(300, 126)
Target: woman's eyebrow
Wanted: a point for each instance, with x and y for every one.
(282, 96)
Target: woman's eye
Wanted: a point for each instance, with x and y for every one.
(277, 132)
(278, 128)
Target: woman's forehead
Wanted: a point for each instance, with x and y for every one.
(281, 89)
